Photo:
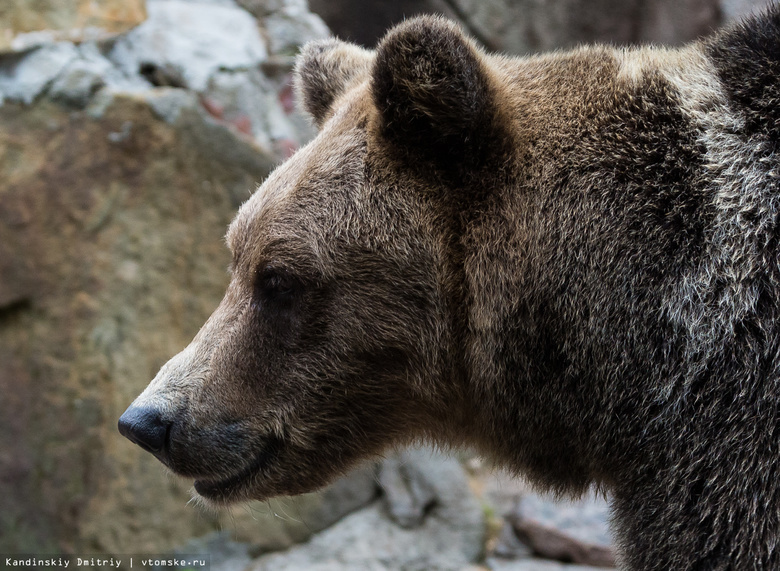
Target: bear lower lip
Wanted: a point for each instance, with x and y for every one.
(226, 488)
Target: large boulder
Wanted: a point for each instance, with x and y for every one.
(112, 257)
(28, 22)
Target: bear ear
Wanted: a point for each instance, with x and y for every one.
(324, 70)
(433, 92)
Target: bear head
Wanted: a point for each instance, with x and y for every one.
(340, 333)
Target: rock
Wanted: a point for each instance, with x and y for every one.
(347, 494)
(449, 537)
(77, 84)
(25, 23)
(24, 76)
(291, 26)
(526, 26)
(508, 545)
(529, 26)
(367, 540)
(191, 41)
(70, 74)
(575, 531)
(223, 553)
(283, 522)
(112, 256)
(495, 564)
(84, 75)
(168, 103)
(407, 492)
(112, 253)
(674, 22)
(261, 8)
(250, 102)
(735, 9)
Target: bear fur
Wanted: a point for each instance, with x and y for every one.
(568, 261)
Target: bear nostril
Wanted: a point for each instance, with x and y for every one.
(145, 427)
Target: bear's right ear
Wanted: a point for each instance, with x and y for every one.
(324, 70)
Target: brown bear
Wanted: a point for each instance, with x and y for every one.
(569, 262)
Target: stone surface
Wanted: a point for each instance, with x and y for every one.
(408, 494)
(508, 546)
(282, 522)
(112, 256)
(526, 26)
(575, 531)
(533, 564)
(291, 25)
(28, 22)
(24, 76)
(251, 102)
(449, 537)
(224, 554)
(69, 73)
(530, 26)
(192, 40)
(734, 9)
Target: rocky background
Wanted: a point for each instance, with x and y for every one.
(130, 131)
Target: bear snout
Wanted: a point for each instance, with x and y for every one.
(145, 426)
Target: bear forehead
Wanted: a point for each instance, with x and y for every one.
(307, 196)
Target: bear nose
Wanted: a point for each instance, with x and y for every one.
(145, 427)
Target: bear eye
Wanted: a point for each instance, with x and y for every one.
(276, 286)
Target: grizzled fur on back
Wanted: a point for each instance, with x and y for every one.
(569, 261)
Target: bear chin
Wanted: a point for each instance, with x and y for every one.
(243, 485)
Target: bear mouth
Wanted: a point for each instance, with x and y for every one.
(227, 489)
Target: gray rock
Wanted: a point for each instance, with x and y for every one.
(367, 540)
(194, 39)
(95, 210)
(509, 546)
(77, 84)
(261, 8)
(496, 564)
(223, 553)
(365, 22)
(80, 79)
(449, 537)
(25, 76)
(168, 102)
(291, 26)
(575, 531)
(251, 103)
(407, 492)
(734, 9)
(345, 495)
(280, 523)
(525, 26)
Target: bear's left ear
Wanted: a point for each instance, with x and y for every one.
(433, 92)
(324, 70)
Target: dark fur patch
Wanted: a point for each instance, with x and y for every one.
(747, 59)
(434, 97)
